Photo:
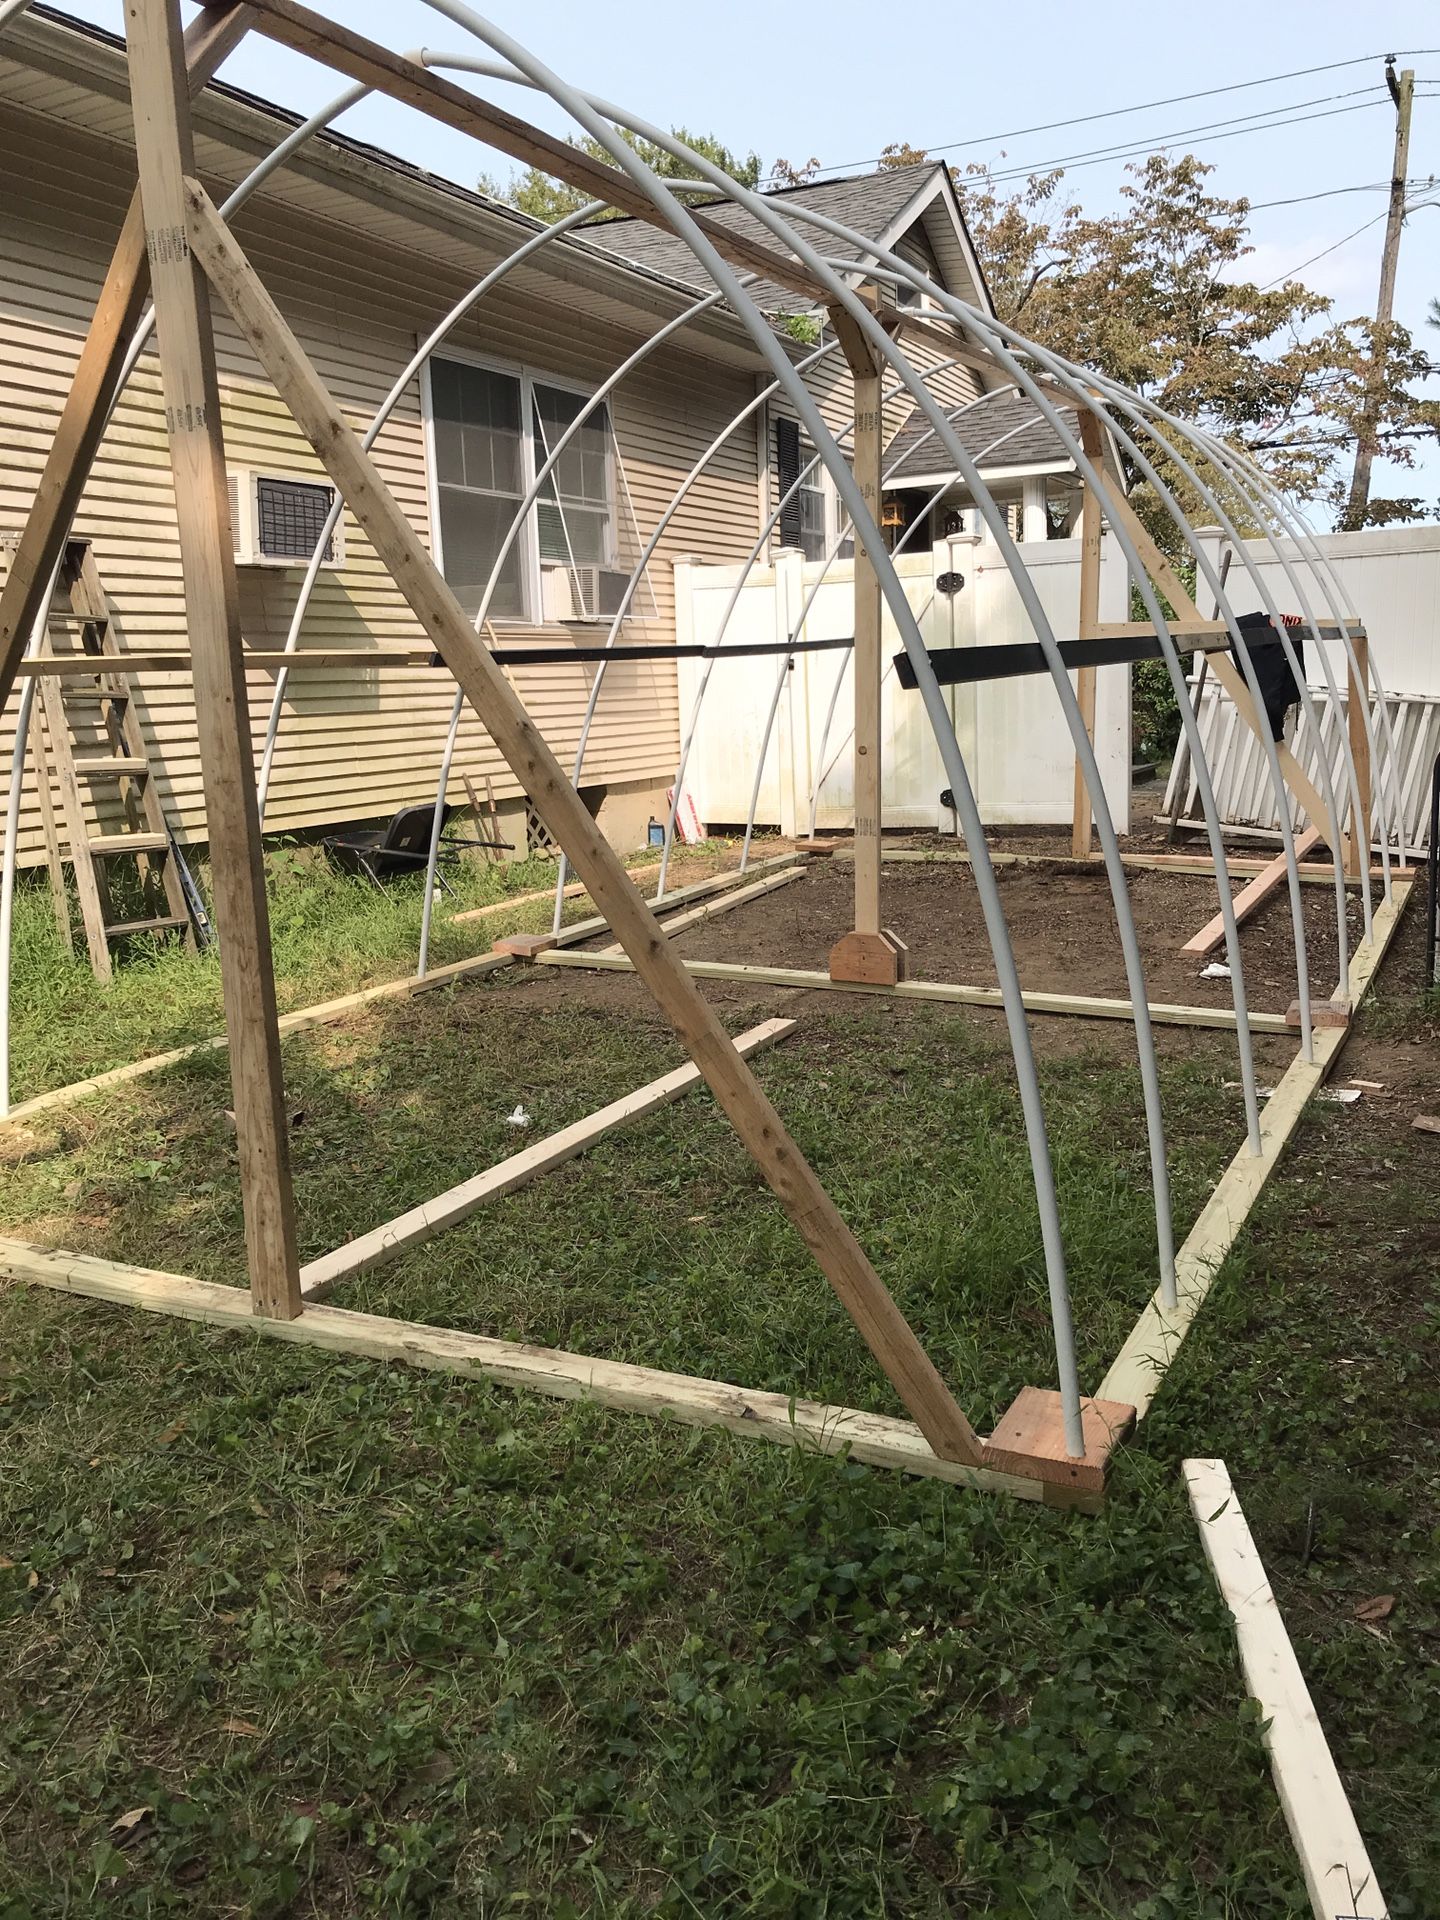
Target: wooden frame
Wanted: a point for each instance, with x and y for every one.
(1339, 1878)
(192, 252)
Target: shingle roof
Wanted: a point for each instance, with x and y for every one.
(1032, 440)
(869, 202)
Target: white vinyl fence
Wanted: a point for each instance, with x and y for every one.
(1392, 578)
(1011, 732)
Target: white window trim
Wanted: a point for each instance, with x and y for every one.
(528, 542)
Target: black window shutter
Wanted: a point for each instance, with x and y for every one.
(787, 472)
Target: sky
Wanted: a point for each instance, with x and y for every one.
(797, 82)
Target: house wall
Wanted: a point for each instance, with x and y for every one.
(830, 384)
(357, 744)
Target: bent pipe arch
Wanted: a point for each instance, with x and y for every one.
(1250, 498)
(1350, 772)
(593, 123)
(1243, 655)
(1329, 789)
(657, 534)
(798, 630)
(747, 567)
(1295, 527)
(517, 521)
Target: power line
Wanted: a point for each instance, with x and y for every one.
(1262, 118)
(1144, 106)
(1290, 272)
(1075, 162)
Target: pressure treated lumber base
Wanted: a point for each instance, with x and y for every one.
(807, 1425)
(1323, 1013)
(1161, 1013)
(1033, 1429)
(1338, 1875)
(387, 1242)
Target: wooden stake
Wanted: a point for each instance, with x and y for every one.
(72, 452)
(1092, 437)
(867, 952)
(197, 454)
(1357, 849)
(403, 553)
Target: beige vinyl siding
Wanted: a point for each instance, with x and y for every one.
(830, 386)
(358, 744)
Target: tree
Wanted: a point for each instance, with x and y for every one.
(1155, 296)
(900, 153)
(545, 198)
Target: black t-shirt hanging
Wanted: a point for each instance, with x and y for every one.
(1279, 689)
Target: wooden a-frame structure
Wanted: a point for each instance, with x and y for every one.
(175, 243)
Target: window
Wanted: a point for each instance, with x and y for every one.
(804, 517)
(492, 432)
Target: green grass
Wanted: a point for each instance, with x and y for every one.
(365, 1640)
(331, 935)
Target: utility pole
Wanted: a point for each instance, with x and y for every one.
(1402, 92)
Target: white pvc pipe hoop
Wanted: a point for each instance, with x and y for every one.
(595, 117)
(595, 123)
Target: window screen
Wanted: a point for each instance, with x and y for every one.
(479, 474)
(290, 517)
(575, 512)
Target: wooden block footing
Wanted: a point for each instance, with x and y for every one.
(523, 946)
(1323, 1013)
(869, 959)
(1030, 1439)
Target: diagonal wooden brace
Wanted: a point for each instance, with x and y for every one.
(790, 1176)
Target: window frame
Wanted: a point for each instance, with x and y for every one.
(527, 379)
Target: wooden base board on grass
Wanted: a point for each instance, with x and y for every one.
(808, 1425)
(1147, 1355)
(1091, 1009)
(327, 1011)
(1339, 1878)
(1250, 899)
(422, 1223)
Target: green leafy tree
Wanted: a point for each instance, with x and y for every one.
(545, 198)
(1156, 296)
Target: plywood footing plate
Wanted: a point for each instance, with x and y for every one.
(1030, 1439)
(523, 946)
(869, 959)
(1323, 1013)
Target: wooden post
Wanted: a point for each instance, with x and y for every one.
(1092, 440)
(404, 555)
(197, 454)
(1357, 846)
(112, 327)
(868, 953)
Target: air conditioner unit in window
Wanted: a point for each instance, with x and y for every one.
(277, 518)
(581, 593)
